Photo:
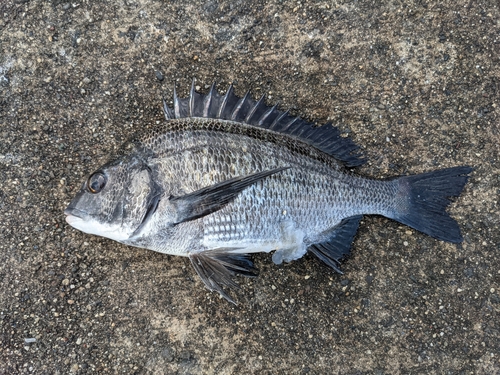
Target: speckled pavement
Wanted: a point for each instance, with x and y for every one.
(416, 84)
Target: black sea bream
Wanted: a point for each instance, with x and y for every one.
(225, 177)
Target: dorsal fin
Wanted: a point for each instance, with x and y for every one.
(169, 114)
(326, 138)
(181, 106)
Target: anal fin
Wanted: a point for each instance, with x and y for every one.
(217, 268)
(338, 245)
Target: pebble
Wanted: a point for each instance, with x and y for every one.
(168, 354)
(159, 75)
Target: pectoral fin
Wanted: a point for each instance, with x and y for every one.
(212, 198)
(217, 267)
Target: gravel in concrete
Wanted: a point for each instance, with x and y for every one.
(415, 83)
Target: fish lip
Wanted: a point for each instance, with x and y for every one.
(74, 217)
(74, 212)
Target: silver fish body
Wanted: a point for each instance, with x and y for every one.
(225, 177)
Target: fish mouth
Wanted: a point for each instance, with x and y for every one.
(86, 223)
(70, 212)
(73, 215)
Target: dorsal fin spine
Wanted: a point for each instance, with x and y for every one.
(191, 99)
(291, 122)
(278, 119)
(169, 115)
(208, 103)
(224, 101)
(254, 108)
(239, 105)
(177, 113)
(266, 115)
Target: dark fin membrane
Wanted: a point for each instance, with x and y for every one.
(169, 113)
(196, 103)
(217, 268)
(212, 103)
(338, 246)
(181, 106)
(326, 138)
(424, 198)
(227, 105)
(212, 198)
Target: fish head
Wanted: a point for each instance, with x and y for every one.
(115, 200)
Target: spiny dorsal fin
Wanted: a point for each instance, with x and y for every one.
(196, 102)
(257, 110)
(169, 114)
(241, 108)
(326, 138)
(181, 106)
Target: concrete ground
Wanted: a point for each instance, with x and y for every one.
(415, 83)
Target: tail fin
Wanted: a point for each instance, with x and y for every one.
(423, 198)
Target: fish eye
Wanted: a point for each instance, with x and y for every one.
(96, 182)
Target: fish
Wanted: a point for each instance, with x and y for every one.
(225, 177)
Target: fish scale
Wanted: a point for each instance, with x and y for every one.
(225, 177)
(290, 193)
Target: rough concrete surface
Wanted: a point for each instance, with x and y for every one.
(415, 83)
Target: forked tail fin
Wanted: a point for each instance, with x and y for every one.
(423, 198)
